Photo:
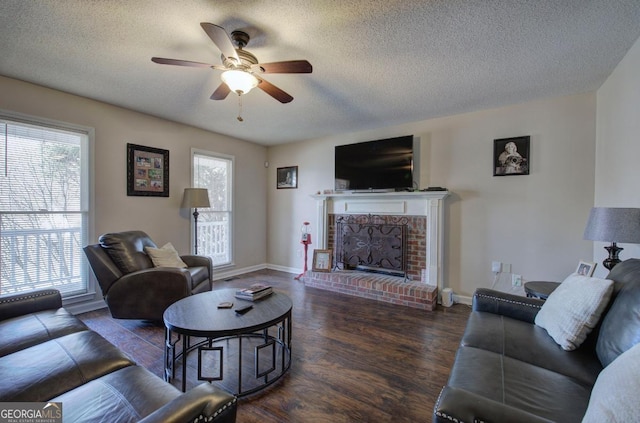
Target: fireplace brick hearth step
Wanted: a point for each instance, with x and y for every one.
(390, 289)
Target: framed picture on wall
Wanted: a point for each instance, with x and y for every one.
(287, 177)
(511, 156)
(147, 171)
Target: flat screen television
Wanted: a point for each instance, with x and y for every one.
(381, 165)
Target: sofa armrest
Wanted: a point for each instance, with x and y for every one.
(204, 402)
(195, 261)
(514, 306)
(458, 405)
(20, 304)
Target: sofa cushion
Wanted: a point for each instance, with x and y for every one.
(166, 256)
(519, 385)
(614, 396)
(30, 329)
(531, 344)
(126, 249)
(620, 329)
(51, 368)
(574, 309)
(126, 395)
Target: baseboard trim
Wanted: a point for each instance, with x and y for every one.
(284, 269)
(235, 272)
(462, 299)
(85, 307)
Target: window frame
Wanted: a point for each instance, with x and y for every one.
(87, 202)
(230, 200)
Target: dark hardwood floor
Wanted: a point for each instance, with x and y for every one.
(353, 360)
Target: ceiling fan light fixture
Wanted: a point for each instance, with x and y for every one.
(238, 81)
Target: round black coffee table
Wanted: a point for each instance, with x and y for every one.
(223, 339)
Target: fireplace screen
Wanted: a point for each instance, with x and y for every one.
(369, 243)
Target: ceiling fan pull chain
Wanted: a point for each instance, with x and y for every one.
(240, 108)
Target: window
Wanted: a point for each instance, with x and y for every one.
(214, 172)
(43, 206)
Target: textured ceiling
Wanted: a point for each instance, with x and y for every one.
(375, 62)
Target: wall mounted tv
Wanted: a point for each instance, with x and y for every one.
(381, 165)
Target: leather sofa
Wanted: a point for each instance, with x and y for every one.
(507, 369)
(48, 355)
(132, 286)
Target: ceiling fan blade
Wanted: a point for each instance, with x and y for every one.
(291, 66)
(274, 91)
(221, 39)
(221, 92)
(163, 61)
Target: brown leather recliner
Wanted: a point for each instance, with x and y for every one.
(132, 287)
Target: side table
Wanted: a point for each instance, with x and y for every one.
(540, 289)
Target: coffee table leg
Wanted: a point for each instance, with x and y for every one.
(185, 343)
(239, 364)
(168, 363)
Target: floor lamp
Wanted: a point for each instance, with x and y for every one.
(194, 198)
(613, 224)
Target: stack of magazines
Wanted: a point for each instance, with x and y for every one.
(254, 292)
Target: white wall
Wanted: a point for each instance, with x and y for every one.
(160, 217)
(535, 222)
(618, 145)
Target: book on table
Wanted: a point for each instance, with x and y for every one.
(254, 292)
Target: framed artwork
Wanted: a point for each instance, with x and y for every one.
(287, 177)
(585, 268)
(147, 171)
(322, 260)
(511, 156)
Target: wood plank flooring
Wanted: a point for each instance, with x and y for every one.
(353, 359)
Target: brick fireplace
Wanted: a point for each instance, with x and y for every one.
(413, 222)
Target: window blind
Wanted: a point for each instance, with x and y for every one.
(42, 217)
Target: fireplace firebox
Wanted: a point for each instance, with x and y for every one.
(372, 243)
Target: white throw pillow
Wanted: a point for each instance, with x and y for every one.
(614, 397)
(167, 256)
(574, 309)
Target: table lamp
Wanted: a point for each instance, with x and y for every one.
(613, 224)
(194, 198)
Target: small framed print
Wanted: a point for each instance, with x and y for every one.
(322, 260)
(511, 156)
(585, 268)
(287, 177)
(147, 171)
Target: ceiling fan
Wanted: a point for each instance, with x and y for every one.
(241, 70)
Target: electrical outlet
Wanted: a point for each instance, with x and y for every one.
(516, 280)
(506, 267)
(496, 266)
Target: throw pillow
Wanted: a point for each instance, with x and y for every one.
(614, 397)
(574, 309)
(167, 256)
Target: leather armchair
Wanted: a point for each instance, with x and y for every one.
(132, 287)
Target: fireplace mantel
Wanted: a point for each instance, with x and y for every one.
(429, 204)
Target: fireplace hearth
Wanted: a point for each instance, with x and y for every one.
(385, 288)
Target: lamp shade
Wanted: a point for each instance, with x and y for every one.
(195, 197)
(613, 224)
(238, 81)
